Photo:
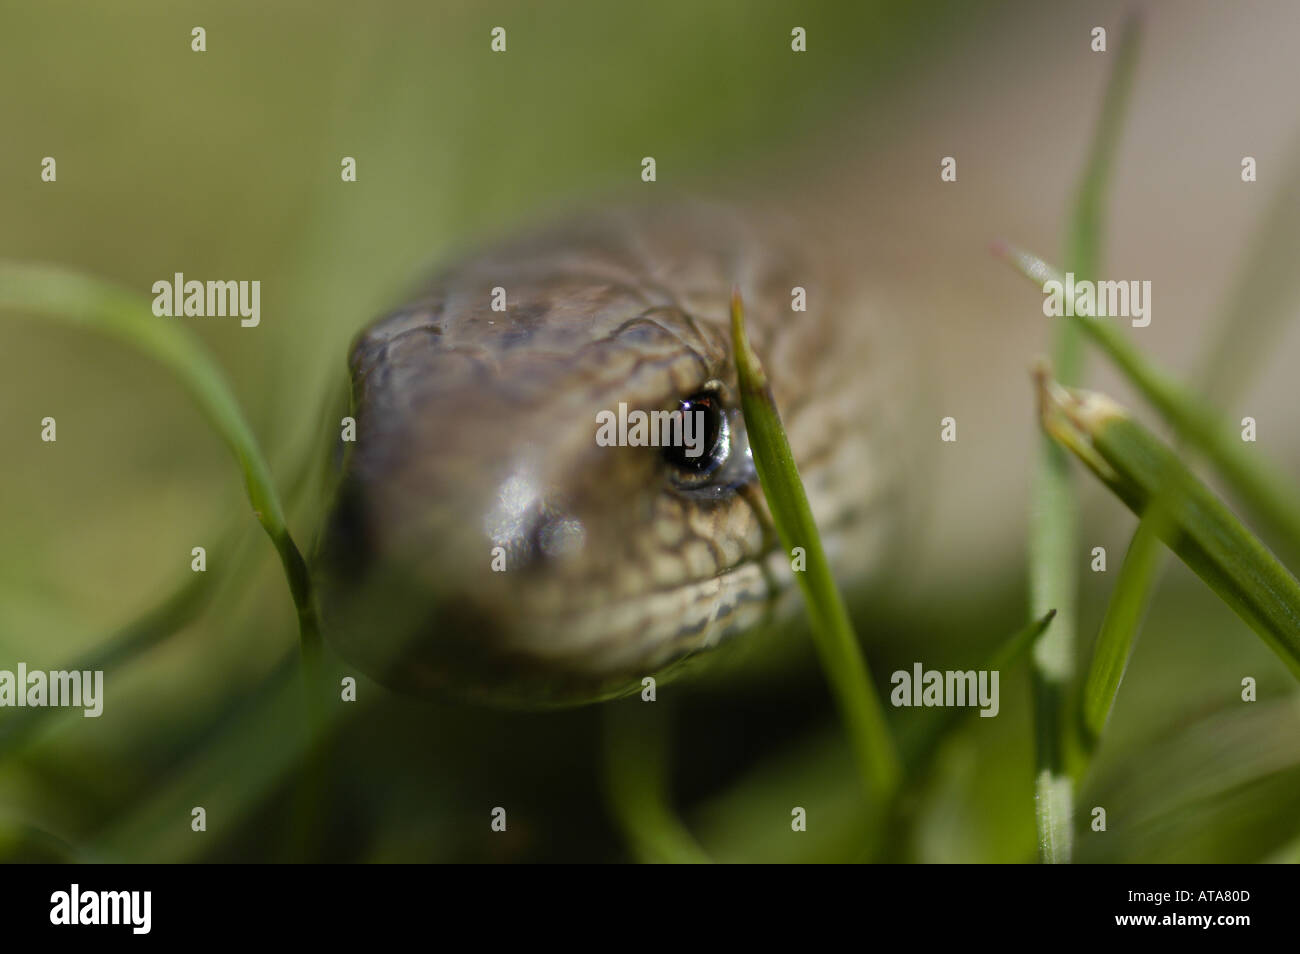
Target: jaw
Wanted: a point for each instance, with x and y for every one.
(511, 653)
(529, 645)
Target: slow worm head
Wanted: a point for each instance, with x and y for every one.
(484, 542)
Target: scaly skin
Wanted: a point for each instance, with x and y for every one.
(476, 429)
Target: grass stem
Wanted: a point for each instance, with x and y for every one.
(87, 302)
(837, 645)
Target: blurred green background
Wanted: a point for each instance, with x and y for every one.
(226, 164)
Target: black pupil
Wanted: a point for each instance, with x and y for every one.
(702, 409)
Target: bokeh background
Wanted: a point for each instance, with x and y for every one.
(226, 164)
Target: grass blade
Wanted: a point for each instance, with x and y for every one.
(1195, 524)
(1269, 494)
(1248, 323)
(161, 622)
(1083, 241)
(108, 309)
(636, 782)
(1007, 655)
(837, 646)
(1052, 546)
(1054, 520)
(1119, 627)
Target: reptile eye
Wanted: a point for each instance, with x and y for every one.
(706, 442)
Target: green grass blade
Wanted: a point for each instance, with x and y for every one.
(1005, 657)
(1194, 523)
(1248, 323)
(1086, 226)
(1054, 520)
(99, 306)
(636, 783)
(1119, 627)
(1009, 653)
(1270, 495)
(133, 639)
(841, 656)
(1226, 777)
(1052, 548)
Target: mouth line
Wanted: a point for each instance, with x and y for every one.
(601, 638)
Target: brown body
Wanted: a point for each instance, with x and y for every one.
(485, 542)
